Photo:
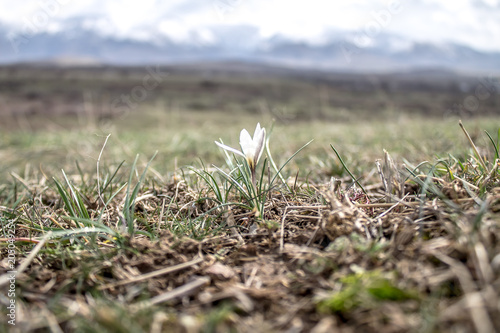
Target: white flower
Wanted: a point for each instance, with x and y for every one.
(251, 148)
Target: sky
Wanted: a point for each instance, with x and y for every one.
(475, 23)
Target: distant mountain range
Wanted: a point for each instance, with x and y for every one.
(339, 51)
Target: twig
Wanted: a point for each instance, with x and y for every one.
(410, 204)
(55, 222)
(473, 299)
(282, 231)
(99, 194)
(22, 181)
(51, 321)
(229, 216)
(163, 271)
(392, 207)
(382, 176)
(185, 290)
(4, 279)
(20, 239)
(310, 217)
(387, 204)
(5, 209)
(473, 145)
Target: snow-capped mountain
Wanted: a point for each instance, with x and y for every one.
(338, 50)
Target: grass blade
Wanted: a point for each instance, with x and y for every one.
(129, 206)
(278, 172)
(347, 169)
(495, 145)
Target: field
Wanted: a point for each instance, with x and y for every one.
(121, 214)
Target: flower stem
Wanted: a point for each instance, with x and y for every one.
(255, 194)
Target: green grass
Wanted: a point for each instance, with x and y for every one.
(178, 145)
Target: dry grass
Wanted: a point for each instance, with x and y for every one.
(415, 249)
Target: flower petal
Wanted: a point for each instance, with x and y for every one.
(259, 149)
(247, 144)
(257, 132)
(223, 146)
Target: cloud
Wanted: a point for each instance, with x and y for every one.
(473, 22)
(469, 22)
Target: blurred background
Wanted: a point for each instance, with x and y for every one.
(347, 36)
(162, 68)
(294, 60)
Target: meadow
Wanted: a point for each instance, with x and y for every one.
(121, 214)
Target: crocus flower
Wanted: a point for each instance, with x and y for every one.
(251, 148)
